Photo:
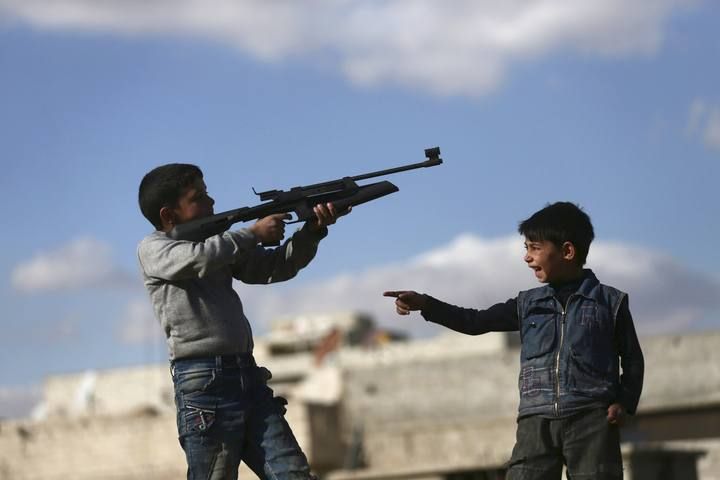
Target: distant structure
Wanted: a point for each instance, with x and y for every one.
(367, 404)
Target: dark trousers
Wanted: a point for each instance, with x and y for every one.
(586, 443)
(228, 414)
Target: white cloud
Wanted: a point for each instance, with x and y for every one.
(475, 272)
(704, 123)
(82, 263)
(459, 47)
(138, 324)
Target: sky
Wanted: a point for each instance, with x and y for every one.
(609, 104)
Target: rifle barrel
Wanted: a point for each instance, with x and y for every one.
(433, 160)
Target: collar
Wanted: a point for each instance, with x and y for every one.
(589, 282)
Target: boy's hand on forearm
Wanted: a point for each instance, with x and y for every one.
(616, 414)
(325, 214)
(407, 301)
(270, 229)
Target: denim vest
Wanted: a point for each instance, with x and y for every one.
(569, 358)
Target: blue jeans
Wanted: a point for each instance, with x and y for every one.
(226, 413)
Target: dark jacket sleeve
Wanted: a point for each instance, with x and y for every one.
(501, 317)
(631, 359)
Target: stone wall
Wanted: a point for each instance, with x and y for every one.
(420, 409)
(138, 446)
(457, 410)
(138, 443)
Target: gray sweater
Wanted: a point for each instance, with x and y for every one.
(190, 285)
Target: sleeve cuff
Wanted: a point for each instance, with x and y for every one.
(431, 306)
(244, 239)
(314, 235)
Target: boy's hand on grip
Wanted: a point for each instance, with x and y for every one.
(325, 214)
(407, 301)
(271, 229)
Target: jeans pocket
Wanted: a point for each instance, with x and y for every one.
(196, 419)
(195, 382)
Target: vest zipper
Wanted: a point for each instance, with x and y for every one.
(557, 363)
(557, 358)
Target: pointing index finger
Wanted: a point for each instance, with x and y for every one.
(392, 293)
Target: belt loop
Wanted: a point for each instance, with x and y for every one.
(218, 362)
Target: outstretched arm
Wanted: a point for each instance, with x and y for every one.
(501, 317)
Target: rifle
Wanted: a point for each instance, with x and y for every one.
(342, 193)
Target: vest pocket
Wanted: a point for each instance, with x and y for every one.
(589, 372)
(592, 340)
(538, 335)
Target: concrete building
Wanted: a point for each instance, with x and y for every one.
(365, 407)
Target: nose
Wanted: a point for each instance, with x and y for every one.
(527, 258)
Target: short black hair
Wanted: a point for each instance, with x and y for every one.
(163, 186)
(558, 223)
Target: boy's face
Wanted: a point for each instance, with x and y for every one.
(194, 203)
(550, 262)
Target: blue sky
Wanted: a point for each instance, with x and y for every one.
(612, 106)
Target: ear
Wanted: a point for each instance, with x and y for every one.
(568, 251)
(167, 216)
